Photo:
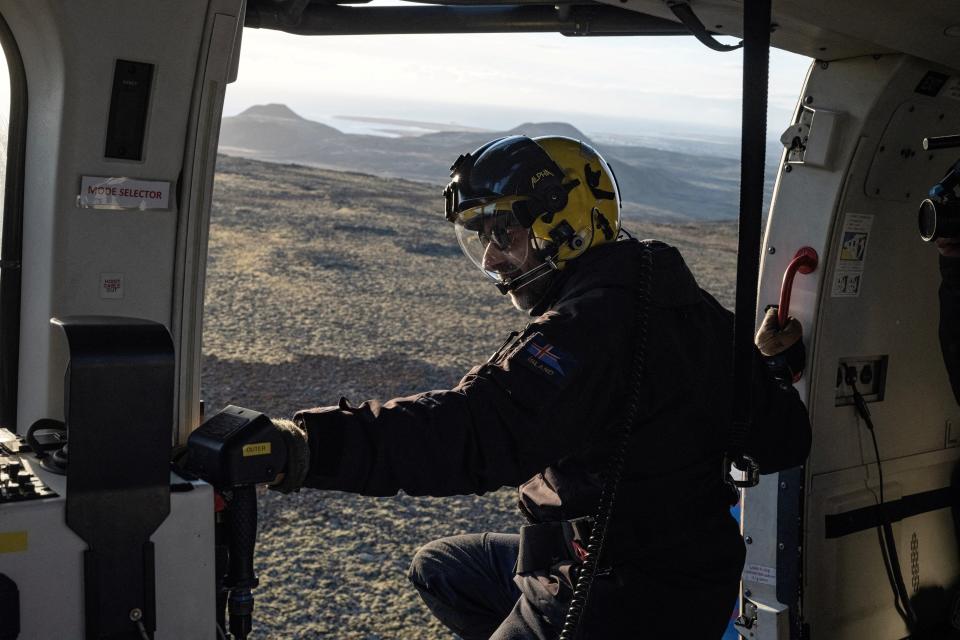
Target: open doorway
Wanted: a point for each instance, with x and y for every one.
(332, 272)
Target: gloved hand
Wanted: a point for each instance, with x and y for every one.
(782, 347)
(298, 456)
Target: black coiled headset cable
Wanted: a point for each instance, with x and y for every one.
(611, 480)
(888, 544)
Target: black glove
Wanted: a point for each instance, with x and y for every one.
(782, 347)
(298, 456)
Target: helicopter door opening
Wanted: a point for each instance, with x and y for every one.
(352, 284)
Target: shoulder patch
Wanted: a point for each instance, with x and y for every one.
(545, 358)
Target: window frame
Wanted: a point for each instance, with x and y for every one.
(11, 232)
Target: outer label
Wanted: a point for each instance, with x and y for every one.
(13, 542)
(123, 193)
(256, 449)
(760, 574)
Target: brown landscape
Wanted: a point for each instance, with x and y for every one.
(322, 284)
(654, 182)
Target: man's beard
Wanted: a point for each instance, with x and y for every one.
(527, 296)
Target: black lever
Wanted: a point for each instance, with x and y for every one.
(241, 521)
(941, 142)
(236, 450)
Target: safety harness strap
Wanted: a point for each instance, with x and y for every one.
(756, 60)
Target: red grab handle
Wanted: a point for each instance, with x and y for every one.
(805, 262)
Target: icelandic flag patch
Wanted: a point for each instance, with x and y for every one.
(546, 359)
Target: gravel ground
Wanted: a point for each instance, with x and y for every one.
(322, 284)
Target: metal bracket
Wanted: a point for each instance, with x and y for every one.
(690, 20)
(763, 622)
(810, 140)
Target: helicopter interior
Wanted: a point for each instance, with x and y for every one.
(128, 95)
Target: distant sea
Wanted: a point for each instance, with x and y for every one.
(386, 127)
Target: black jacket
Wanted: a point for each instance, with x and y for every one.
(543, 411)
(950, 320)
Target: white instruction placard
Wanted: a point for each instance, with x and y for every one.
(97, 192)
(760, 574)
(848, 274)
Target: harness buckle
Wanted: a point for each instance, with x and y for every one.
(748, 471)
(576, 534)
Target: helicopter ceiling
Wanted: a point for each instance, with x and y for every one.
(837, 29)
(457, 16)
(822, 29)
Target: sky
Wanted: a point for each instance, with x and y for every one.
(610, 84)
(625, 85)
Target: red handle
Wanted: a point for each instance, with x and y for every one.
(805, 262)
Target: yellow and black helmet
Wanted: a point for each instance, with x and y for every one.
(559, 188)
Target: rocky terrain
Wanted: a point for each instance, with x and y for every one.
(322, 284)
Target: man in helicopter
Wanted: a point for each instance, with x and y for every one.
(609, 409)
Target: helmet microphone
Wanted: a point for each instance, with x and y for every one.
(524, 279)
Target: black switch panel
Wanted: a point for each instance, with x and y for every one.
(127, 125)
(17, 484)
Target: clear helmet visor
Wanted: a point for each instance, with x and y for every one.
(495, 241)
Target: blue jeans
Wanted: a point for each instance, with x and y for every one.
(467, 582)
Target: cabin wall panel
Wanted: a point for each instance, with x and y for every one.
(49, 572)
(847, 594)
(802, 215)
(901, 171)
(70, 51)
(894, 313)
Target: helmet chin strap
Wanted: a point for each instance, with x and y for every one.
(515, 284)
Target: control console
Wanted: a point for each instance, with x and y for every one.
(18, 482)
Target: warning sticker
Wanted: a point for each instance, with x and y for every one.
(13, 541)
(123, 193)
(848, 274)
(111, 285)
(760, 574)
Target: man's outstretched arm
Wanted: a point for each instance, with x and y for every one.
(505, 421)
